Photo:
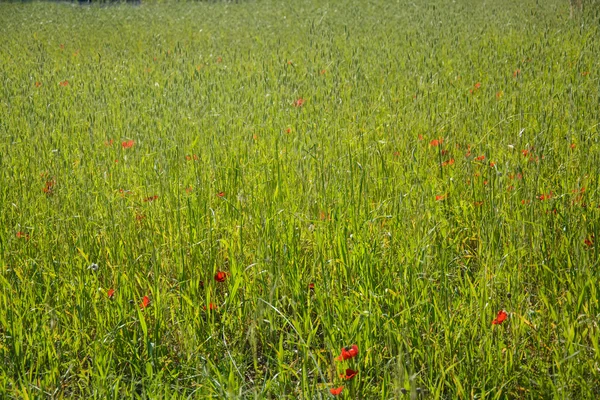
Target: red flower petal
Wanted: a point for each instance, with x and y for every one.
(221, 276)
(145, 302)
(500, 318)
(348, 352)
(111, 293)
(350, 373)
(336, 391)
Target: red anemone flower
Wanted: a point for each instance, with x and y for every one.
(336, 391)
(348, 352)
(350, 373)
(221, 276)
(500, 318)
(145, 302)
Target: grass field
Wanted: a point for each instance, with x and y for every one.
(214, 199)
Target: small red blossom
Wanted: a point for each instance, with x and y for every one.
(440, 197)
(444, 152)
(299, 102)
(543, 197)
(572, 146)
(192, 157)
(499, 94)
(525, 201)
(49, 188)
(108, 143)
(479, 158)
(350, 373)
(288, 130)
(420, 137)
(323, 72)
(449, 162)
(128, 144)
(64, 83)
(589, 241)
(22, 235)
(436, 142)
(111, 293)
(336, 391)
(145, 302)
(525, 152)
(492, 164)
(311, 287)
(38, 84)
(211, 307)
(221, 194)
(221, 276)
(348, 352)
(151, 198)
(500, 318)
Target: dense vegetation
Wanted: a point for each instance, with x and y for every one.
(213, 199)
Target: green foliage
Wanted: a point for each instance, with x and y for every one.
(423, 164)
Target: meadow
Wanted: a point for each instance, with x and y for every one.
(278, 199)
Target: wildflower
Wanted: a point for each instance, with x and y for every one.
(22, 235)
(499, 94)
(323, 71)
(350, 373)
(38, 84)
(500, 318)
(572, 146)
(49, 188)
(543, 197)
(449, 162)
(420, 137)
(492, 164)
(336, 391)
(288, 130)
(145, 302)
(108, 143)
(221, 276)
(517, 73)
(219, 59)
(348, 352)
(299, 102)
(221, 194)
(211, 307)
(64, 83)
(589, 241)
(94, 267)
(151, 198)
(440, 197)
(479, 158)
(111, 293)
(311, 287)
(128, 144)
(436, 142)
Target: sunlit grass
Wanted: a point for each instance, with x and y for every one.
(385, 174)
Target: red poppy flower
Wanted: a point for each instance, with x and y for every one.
(543, 197)
(589, 241)
(348, 352)
(151, 198)
(221, 276)
(311, 286)
(145, 302)
(299, 102)
(500, 318)
(23, 235)
(110, 293)
(288, 130)
(436, 142)
(128, 144)
(350, 373)
(221, 194)
(336, 391)
(449, 162)
(64, 83)
(480, 158)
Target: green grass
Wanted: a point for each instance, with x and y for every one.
(339, 192)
